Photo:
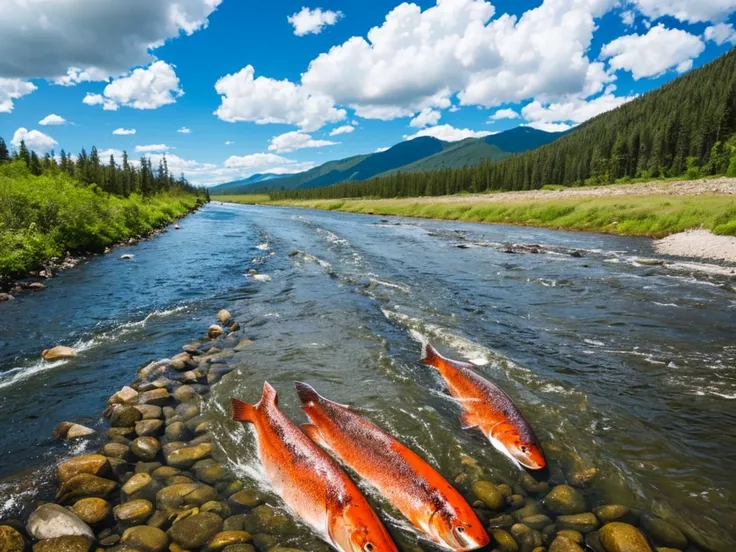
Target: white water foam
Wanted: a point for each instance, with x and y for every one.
(263, 247)
(260, 277)
(400, 287)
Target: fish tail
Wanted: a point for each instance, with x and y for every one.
(243, 412)
(430, 356)
(269, 397)
(306, 393)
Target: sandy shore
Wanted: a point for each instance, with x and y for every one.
(700, 244)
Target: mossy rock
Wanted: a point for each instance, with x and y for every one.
(197, 530)
(489, 494)
(64, 544)
(564, 500)
(11, 540)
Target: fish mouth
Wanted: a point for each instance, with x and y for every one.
(453, 539)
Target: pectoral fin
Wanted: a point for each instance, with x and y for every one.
(468, 421)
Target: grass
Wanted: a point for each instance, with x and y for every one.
(248, 199)
(43, 217)
(653, 216)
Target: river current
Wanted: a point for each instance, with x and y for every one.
(618, 363)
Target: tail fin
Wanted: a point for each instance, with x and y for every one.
(243, 412)
(430, 356)
(306, 393)
(270, 396)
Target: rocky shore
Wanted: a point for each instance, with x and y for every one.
(156, 483)
(699, 244)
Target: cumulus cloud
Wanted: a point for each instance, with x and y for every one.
(720, 33)
(262, 100)
(573, 111)
(290, 141)
(184, 130)
(690, 11)
(549, 127)
(35, 140)
(144, 88)
(426, 117)
(314, 21)
(52, 119)
(345, 129)
(78, 40)
(502, 114)
(255, 160)
(628, 17)
(124, 131)
(381, 150)
(12, 89)
(150, 148)
(448, 133)
(654, 53)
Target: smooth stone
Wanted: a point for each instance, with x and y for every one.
(147, 428)
(164, 472)
(184, 458)
(192, 349)
(214, 331)
(127, 395)
(133, 512)
(64, 544)
(663, 532)
(146, 538)
(147, 467)
(175, 432)
(515, 501)
(489, 494)
(125, 416)
(271, 521)
(504, 521)
(180, 362)
(611, 512)
(666, 549)
(116, 450)
(504, 540)
(11, 540)
(247, 498)
(219, 508)
(227, 538)
(532, 486)
(51, 521)
(174, 496)
(93, 464)
(564, 500)
(209, 471)
(239, 548)
(531, 508)
(185, 394)
(6, 297)
(583, 477)
(574, 536)
(583, 523)
(136, 483)
(593, 541)
(196, 531)
(158, 519)
(622, 537)
(146, 448)
(86, 485)
(70, 430)
(121, 432)
(242, 345)
(156, 397)
(563, 544)
(538, 521)
(58, 353)
(91, 510)
(150, 411)
(223, 317)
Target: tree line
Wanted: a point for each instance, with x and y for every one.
(121, 179)
(686, 128)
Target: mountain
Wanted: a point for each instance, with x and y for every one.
(232, 187)
(420, 154)
(685, 128)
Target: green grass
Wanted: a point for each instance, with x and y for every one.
(42, 217)
(248, 199)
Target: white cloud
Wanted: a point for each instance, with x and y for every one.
(549, 127)
(654, 53)
(77, 40)
(448, 133)
(52, 119)
(34, 139)
(628, 17)
(116, 153)
(184, 130)
(229, 143)
(691, 11)
(426, 117)
(720, 33)
(150, 148)
(12, 89)
(144, 88)
(345, 129)
(381, 150)
(290, 141)
(574, 111)
(262, 100)
(124, 131)
(256, 161)
(502, 114)
(314, 21)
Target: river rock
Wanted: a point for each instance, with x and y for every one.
(6, 297)
(182, 361)
(145, 538)
(622, 537)
(531, 508)
(574, 536)
(86, 485)
(58, 353)
(125, 416)
(51, 521)
(219, 508)
(504, 541)
(489, 494)
(532, 486)
(538, 521)
(64, 544)
(209, 471)
(226, 539)
(526, 538)
(196, 531)
(563, 499)
(70, 430)
(223, 317)
(593, 541)
(93, 464)
(662, 532)
(583, 523)
(116, 433)
(11, 540)
(175, 431)
(174, 496)
(146, 448)
(137, 483)
(214, 331)
(149, 411)
(582, 477)
(612, 512)
(247, 498)
(184, 458)
(91, 510)
(116, 450)
(563, 544)
(242, 345)
(185, 394)
(126, 396)
(134, 512)
(158, 397)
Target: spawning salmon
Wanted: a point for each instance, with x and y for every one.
(310, 482)
(421, 494)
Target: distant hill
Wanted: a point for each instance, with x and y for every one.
(420, 154)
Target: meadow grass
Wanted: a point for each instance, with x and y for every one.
(248, 199)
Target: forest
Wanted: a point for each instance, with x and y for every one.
(684, 129)
(51, 207)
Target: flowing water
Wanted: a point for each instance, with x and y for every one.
(618, 364)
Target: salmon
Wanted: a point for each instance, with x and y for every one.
(421, 494)
(310, 482)
(488, 408)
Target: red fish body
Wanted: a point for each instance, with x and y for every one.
(487, 407)
(408, 482)
(310, 482)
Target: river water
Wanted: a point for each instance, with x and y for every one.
(618, 364)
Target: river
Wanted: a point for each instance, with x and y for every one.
(618, 364)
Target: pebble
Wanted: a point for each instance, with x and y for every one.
(145, 538)
(663, 532)
(563, 544)
(146, 448)
(127, 396)
(147, 428)
(247, 498)
(125, 416)
(196, 531)
(91, 510)
(94, 464)
(136, 483)
(50, 521)
(116, 450)
(134, 512)
(58, 353)
(583, 523)
(611, 512)
(489, 494)
(64, 544)
(563, 499)
(214, 331)
(622, 537)
(185, 458)
(224, 317)
(11, 540)
(157, 397)
(227, 538)
(86, 485)
(504, 541)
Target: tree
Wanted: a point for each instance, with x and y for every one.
(35, 164)
(23, 153)
(4, 153)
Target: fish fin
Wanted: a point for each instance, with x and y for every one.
(312, 431)
(243, 412)
(430, 356)
(468, 421)
(306, 393)
(270, 396)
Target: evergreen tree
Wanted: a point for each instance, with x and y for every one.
(4, 153)
(23, 153)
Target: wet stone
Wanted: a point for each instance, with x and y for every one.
(515, 501)
(136, 483)
(662, 532)
(209, 471)
(127, 395)
(11, 540)
(565, 500)
(146, 448)
(91, 510)
(224, 317)
(227, 538)
(164, 472)
(145, 538)
(115, 433)
(134, 512)
(622, 537)
(532, 508)
(125, 416)
(505, 521)
(582, 477)
(219, 508)
(185, 394)
(214, 331)
(489, 494)
(51, 521)
(269, 520)
(504, 541)
(94, 464)
(583, 523)
(86, 485)
(176, 432)
(158, 519)
(239, 548)
(64, 544)
(538, 521)
(158, 397)
(247, 498)
(185, 458)
(612, 512)
(563, 544)
(532, 486)
(146, 428)
(593, 542)
(147, 467)
(569, 534)
(116, 450)
(196, 531)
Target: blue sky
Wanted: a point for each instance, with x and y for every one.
(263, 87)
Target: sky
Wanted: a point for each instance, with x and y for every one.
(228, 88)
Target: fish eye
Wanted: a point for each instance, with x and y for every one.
(368, 547)
(461, 529)
(523, 449)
